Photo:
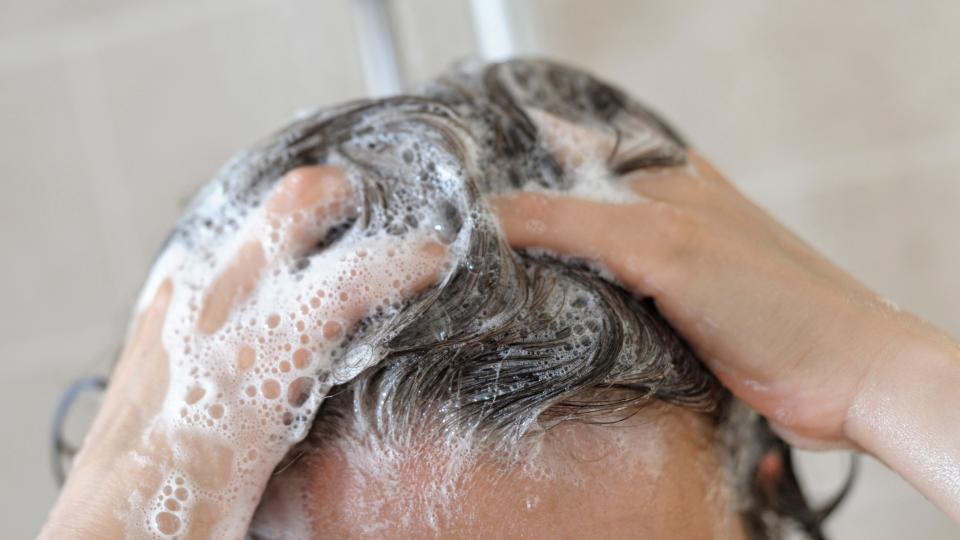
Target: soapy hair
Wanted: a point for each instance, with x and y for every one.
(512, 342)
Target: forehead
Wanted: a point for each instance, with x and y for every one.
(656, 475)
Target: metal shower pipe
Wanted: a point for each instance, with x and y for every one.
(380, 51)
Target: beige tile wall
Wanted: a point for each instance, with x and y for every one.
(841, 118)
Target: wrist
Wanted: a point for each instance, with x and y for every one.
(919, 365)
(907, 415)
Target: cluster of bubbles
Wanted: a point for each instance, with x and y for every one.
(170, 501)
(251, 383)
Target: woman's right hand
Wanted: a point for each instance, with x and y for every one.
(825, 359)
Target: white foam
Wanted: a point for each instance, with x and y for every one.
(294, 322)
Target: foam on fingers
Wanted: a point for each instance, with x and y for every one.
(305, 205)
(258, 321)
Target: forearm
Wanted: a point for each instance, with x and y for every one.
(907, 414)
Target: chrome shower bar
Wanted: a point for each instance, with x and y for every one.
(491, 25)
(378, 48)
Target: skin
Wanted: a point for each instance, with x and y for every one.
(626, 480)
(792, 335)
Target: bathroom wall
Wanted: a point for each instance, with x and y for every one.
(840, 118)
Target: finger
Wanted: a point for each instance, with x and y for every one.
(378, 273)
(628, 239)
(305, 205)
(672, 185)
(566, 225)
(306, 202)
(384, 273)
(696, 184)
(236, 282)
